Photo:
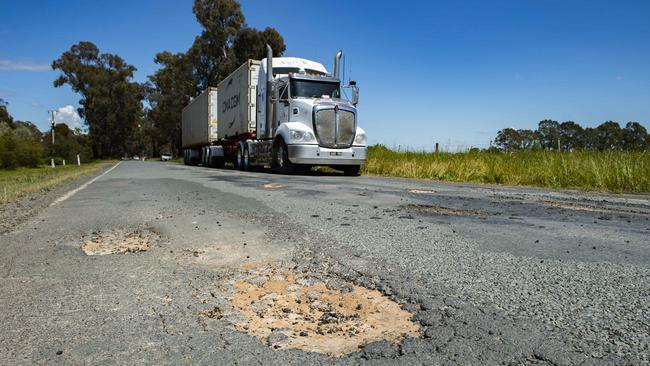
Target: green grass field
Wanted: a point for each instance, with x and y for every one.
(611, 171)
(21, 182)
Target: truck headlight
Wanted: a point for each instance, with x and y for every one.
(360, 139)
(302, 136)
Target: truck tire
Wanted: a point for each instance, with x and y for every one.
(246, 160)
(280, 159)
(239, 158)
(351, 170)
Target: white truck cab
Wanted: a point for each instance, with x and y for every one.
(309, 115)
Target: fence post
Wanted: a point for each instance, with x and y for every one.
(52, 162)
(437, 147)
(63, 162)
(78, 161)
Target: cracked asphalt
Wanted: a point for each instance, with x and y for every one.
(493, 275)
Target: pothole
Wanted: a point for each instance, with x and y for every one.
(445, 211)
(421, 191)
(272, 186)
(285, 310)
(119, 241)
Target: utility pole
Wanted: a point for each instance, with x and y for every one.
(52, 150)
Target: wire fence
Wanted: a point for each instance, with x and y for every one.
(441, 147)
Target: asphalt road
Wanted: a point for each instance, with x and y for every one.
(492, 275)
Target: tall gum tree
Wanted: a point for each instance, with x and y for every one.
(111, 103)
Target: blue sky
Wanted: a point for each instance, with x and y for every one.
(454, 72)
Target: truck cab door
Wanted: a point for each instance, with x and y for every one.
(283, 104)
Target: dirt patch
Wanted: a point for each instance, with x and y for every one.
(287, 311)
(119, 241)
(272, 186)
(421, 191)
(574, 207)
(594, 208)
(445, 211)
(214, 313)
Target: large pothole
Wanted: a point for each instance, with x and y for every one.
(119, 241)
(286, 310)
(444, 211)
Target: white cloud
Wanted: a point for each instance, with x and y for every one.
(23, 66)
(69, 116)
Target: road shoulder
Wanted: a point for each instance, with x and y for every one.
(14, 214)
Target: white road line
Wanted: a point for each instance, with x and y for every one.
(83, 186)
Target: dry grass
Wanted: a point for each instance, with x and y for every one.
(22, 182)
(612, 171)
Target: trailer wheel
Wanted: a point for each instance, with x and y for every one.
(281, 161)
(239, 158)
(246, 159)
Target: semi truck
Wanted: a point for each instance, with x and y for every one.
(286, 113)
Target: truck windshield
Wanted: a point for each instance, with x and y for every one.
(314, 89)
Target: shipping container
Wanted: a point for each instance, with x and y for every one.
(237, 101)
(199, 120)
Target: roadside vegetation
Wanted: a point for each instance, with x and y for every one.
(21, 182)
(613, 171)
(555, 155)
(22, 144)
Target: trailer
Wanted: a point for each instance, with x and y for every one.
(285, 113)
(199, 127)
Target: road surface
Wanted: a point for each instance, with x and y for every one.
(490, 275)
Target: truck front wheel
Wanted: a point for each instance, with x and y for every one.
(281, 161)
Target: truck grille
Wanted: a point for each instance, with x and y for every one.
(334, 127)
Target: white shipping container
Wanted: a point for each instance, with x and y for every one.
(199, 120)
(237, 101)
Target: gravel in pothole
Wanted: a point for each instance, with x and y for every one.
(119, 241)
(286, 310)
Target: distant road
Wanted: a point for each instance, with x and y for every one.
(492, 274)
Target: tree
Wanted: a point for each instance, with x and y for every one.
(211, 52)
(510, 139)
(251, 44)
(68, 144)
(170, 91)
(111, 103)
(571, 136)
(4, 114)
(635, 136)
(19, 144)
(608, 136)
(549, 132)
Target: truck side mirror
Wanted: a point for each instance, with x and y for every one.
(355, 93)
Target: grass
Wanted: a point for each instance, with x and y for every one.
(22, 182)
(610, 171)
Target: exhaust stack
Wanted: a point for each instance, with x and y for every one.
(337, 64)
(269, 89)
